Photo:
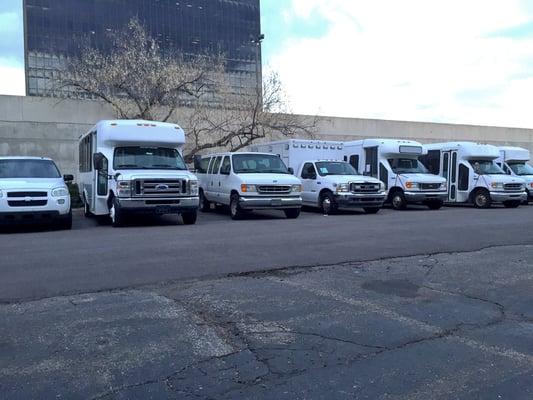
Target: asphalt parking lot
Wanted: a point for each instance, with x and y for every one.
(416, 305)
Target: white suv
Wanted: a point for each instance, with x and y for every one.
(246, 182)
(33, 190)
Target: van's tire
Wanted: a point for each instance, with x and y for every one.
(292, 213)
(328, 205)
(234, 208)
(398, 200)
(116, 214)
(66, 222)
(86, 209)
(511, 203)
(189, 217)
(205, 205)
(435, 205)
(371, 210)
(481, 198)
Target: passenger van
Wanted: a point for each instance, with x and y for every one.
(247, 181)
(473, 175)
(396, 163)
(135, 166)
(515, 162)
(329, 183)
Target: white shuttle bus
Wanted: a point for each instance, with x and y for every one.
(473, 175)
(329, 182)
(134, 166)
(396, 163)
(515, 162)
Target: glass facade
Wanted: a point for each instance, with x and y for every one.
(56, 29)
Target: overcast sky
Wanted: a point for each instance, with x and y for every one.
(459, 61)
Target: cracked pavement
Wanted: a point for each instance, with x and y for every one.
(451, 325)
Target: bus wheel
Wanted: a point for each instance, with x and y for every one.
(482, 199)
(398, 200)
(116, 214)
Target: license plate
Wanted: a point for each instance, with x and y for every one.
(162, 210)
(275, 203)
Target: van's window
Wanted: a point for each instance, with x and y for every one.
(384, 175)
(308, 171)
(20, 168)
(148, 158)
(407, 166)
(354, 161)
(258, 164)
(216, 165)
(464, 173)
(326, 168)
(486, 167)
(225, 169)
(432, 161)
(521, 168)
(86, 153)
(204, 163)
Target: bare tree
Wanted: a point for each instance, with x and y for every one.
(140, 82)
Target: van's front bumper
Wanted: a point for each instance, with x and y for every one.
(421, 197)
(273, 203)
(30, 217)
(353, 200)
(160, 205)
(500, 197)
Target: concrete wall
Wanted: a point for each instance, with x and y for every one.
(51, 127)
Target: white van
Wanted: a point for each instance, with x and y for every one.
(247, 182)
(134, 166)
(514, 161)
(396, 163)
(328, 182)
(473, 175)
(33, 190)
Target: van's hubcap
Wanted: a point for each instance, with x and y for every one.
(397, 201)
(233, 207)
(326, 205)
(481, 200)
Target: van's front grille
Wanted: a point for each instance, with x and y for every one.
(429, 186)
(160, 187)
(513, 187)
(24, 203)
(27, 194)
(365, 187)
(275, 189)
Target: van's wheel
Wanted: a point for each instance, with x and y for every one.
(116, 214)
(66, 222)
(511, 203)
(435, 205)
(292, 213)
(371, 210)
(86, 209)
(205, 205)
(482, 199)
(328, 205)
(234, 208)
(398, 200)
(189, 218)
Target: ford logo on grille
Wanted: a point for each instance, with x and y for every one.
(161, 187)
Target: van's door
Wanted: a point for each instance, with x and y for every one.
(449, 171)
(224, 184)
(371, 161)
(309, 182)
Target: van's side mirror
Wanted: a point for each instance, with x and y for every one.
(98, 161)
(68, 178)
(291, 170)
(197, 160)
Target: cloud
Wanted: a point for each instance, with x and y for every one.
(412, 60)
(11, 48)
(11, 80)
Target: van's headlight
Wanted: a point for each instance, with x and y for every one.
(193, 188)
(343, 188)
(444, 186)
(123, 188)
(248, 188)
(382, 187)
(497, 185)
(59, 192)
(412, 185)
(296, 189)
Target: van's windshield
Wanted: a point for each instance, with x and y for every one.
(21, 168)
(148, 158)
(486, 167)
(521, 168)
(258, 164)
(326, 168)
(407, 166)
